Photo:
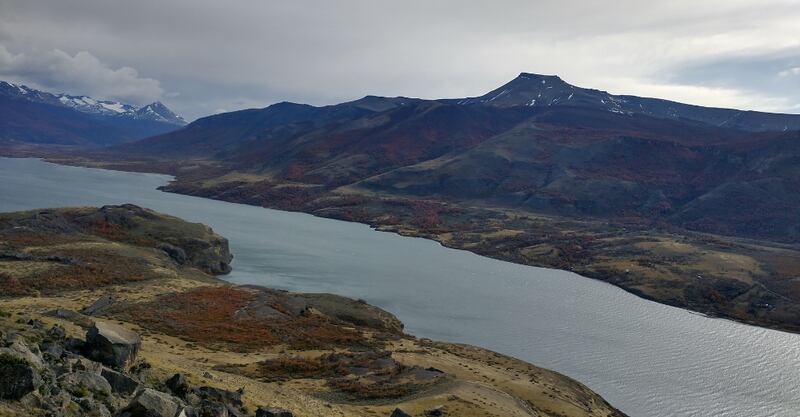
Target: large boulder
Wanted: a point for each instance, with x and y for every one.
(120, 383)
(112, 345)
(273, 412)
(151, 403)
(19, 348)
(399, 413)
(89, 381)
(17, 377)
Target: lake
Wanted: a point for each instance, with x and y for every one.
(645, 358)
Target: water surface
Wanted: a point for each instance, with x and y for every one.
(645, 358)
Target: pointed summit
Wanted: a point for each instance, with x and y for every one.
(538, 90)
(158, 112)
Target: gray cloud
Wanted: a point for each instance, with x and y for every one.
(774, 74)
(228, 55)
(81, 73)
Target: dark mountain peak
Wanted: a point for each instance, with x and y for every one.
(541, 78)
(528, 89)
(537, 90)
(289, 105)
(379, 103)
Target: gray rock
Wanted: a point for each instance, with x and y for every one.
(273, 412)
(189, 411)
(78, 363)
(399, 413)
(112, 345)
(18, 377)
(92, 407)
(53, 350)
(212, 255)
(62, 313)
(120, 383)
(437, 411)
(102, 304)
(212, 409)
(19, 349)
(220, 395)
(57, 333)
(177, 254)
(178, 385)
(151, 403)
(83, 379)
(235, 412)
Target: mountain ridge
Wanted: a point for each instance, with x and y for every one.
(688, 211)
(529, 89)
(38, 117)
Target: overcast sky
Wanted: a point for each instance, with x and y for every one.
(206, 56)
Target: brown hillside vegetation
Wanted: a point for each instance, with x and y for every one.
(314, 354)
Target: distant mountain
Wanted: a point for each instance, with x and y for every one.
(548, 90)
(40, 117)
(536, 143)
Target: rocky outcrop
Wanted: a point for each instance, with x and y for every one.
(186, 243)
(112, 345)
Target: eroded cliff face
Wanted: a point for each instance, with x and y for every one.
(79, 248)
(115, 311)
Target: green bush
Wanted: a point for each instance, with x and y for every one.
(7, 359)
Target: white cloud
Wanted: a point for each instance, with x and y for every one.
(790, 72)
(81, 73)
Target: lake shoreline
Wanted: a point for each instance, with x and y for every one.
(757, 300)
(593, 332)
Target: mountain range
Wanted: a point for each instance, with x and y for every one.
(692, 206)
(34, 116)
(536, 143)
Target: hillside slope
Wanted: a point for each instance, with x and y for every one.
(141, 280)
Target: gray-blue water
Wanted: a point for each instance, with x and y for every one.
(645, 358)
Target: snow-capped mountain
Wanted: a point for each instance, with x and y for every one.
(156, 111)
(31, 116)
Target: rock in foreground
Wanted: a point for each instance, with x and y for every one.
(112, 345)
